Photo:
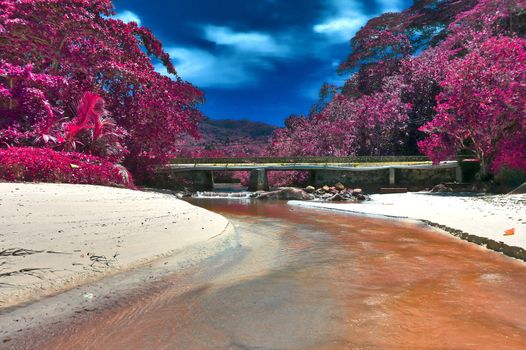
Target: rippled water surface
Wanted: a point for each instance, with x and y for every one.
(306, 279)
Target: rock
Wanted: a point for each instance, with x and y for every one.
(319, 192)
(361, 197)
(339, 186)
(337, 198)
(310, 189)
(464, 235)
(521, 254)
(357, 191)
(441, 188)
(326, 196)
(514, 252)
(477, 240)
(494, 245)
(182, 194)
(287, 193)
(326, 188)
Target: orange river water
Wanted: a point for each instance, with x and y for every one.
(312, 279)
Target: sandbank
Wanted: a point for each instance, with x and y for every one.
(54, 237)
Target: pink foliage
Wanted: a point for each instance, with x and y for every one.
(70, 47)
(30, 164)
(368, 125)
(482, 104)
(92, 132)
(465, 90)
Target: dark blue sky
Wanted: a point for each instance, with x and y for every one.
(256, 59)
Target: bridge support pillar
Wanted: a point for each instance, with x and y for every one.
(458, 174)
(258, 180)
(392, 176)
(205, 181)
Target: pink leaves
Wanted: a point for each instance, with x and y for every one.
(368, 125)
(90, 108)
(89, 112)
(46, 165)
(93, 132)
(482, 104)
(75, 47)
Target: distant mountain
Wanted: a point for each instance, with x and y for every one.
(229, 137)
(232, 130)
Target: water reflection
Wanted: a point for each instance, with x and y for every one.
(306, 279)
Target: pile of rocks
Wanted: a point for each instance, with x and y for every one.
(337, 193)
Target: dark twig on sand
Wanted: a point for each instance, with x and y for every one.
(26, 271)
(19, 252)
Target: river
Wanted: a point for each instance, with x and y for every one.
(311, 279)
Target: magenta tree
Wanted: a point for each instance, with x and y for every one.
(52, 52)
(482, 104)
(368, 125)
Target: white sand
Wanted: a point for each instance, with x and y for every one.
(56, 236)
(484, 216)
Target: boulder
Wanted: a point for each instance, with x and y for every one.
(287, 193)
(440, 188)
(337, 198)
(361, 197)
(339, 186)
(326, 189)
(494, 245)
(310, 189)
(326, 196)
(357, 191)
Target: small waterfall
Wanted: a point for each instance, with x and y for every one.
(233, 195)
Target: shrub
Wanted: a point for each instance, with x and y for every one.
(19, 164)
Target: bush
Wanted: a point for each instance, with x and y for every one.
(28, 164)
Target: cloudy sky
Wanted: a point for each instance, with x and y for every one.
(256, 59)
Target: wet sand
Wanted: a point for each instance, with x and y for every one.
(307, 279)
(54, 237)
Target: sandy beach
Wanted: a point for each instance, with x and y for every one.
(54, 237)
(484, 216)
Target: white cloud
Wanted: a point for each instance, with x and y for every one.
(390, 5)
(227, 71)
(239, 59)
(254, 42)
(343, 18)
(341, 29)
(127, 17)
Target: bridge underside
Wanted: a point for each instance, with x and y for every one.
(413, 177)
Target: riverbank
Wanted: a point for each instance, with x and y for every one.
(480, 219)
(54, 237)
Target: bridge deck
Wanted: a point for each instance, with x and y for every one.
(306, 166)
(301, 160)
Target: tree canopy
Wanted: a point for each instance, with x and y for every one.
(53, 52)
(441, 77)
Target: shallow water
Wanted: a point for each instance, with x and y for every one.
(307, 279)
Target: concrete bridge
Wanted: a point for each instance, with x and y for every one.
(370, 173)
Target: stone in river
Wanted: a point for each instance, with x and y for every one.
(288, 193)
(357, 191)
(339, 186)
(337, 198)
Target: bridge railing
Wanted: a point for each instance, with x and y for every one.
(295, 160)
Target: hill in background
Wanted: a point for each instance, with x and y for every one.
(229, 138)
